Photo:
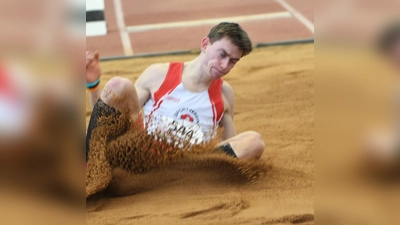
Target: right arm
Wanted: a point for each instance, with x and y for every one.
(93, 72)
(148, 82)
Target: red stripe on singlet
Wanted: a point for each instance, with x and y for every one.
(171, 81)
(215, 94)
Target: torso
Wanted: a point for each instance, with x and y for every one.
(194, 115)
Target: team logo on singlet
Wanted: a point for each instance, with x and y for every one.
(187, 114)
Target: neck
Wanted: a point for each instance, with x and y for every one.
(195, 72)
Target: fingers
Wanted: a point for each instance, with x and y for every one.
(92, 57)
(89, 58)
(96, 55)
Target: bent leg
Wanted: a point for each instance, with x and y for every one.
(248, 145)
(118, 96)
(120, 93)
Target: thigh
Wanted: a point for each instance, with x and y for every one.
(238, 138)
(248, 144)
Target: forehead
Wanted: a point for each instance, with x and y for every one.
(226, 45)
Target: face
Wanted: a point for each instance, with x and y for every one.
(219, 57)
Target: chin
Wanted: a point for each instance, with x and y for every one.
(215, 77)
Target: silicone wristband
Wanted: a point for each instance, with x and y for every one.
(93, 89)
(93, 84)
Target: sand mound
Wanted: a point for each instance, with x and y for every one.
(121, 148)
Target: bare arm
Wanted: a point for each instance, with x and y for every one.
(143, 85)
(93, 97)
(227, 119)
(93, 72)
(149, 81)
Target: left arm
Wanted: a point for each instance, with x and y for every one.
(227, 120)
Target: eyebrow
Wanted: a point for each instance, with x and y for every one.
(228, 54)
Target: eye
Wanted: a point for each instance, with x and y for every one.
(233, 61)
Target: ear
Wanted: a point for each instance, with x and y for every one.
(204, 43)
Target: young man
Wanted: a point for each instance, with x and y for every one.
(189, 95)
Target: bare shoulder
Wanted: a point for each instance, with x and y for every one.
(152, 75)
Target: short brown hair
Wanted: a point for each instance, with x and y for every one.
(235, 33)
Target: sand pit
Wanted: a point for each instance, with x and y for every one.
(274, 90)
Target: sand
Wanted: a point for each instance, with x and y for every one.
(274, 95)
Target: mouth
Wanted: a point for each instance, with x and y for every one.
(219, 73)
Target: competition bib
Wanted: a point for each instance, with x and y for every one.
(181, 130)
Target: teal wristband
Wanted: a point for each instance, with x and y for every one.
(93, 84)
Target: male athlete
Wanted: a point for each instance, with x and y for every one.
(189, 95)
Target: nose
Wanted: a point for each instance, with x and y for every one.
(224, 63)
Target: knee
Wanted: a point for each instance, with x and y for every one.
(258, 144)
(116, 89)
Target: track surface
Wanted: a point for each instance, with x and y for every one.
(137, 27)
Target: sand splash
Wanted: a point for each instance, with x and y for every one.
(118, 143)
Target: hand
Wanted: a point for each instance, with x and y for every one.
(93, 71)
